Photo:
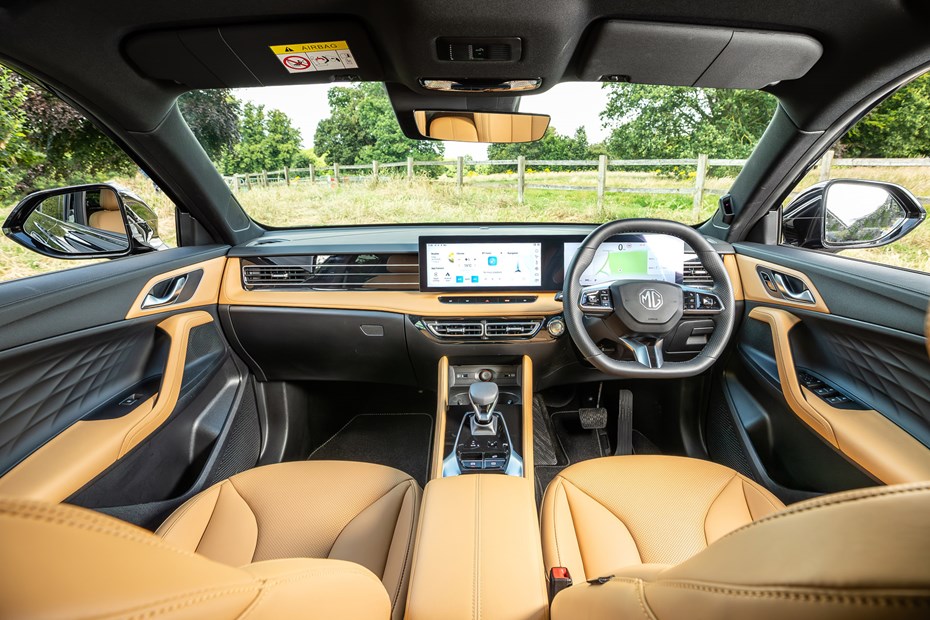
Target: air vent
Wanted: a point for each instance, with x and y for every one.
(485, 329)
(446, 329)
(333, 272)
(696, 275)
(515, 329)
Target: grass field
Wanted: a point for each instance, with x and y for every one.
(486, 198)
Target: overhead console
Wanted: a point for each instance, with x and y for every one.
(689, 55)
(257, 54)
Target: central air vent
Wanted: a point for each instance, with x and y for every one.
(446, 329)
(333, 272)
(515, 329)
(696, 275)
(485, 329)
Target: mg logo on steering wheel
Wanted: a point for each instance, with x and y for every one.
(651, 299)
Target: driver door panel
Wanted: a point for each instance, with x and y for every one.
(832, 394)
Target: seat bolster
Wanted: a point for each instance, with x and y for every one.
(621, 597)
(217, 523)
(314, 588)
(559, 538)
(380, 538)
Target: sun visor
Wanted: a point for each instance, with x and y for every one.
(706, 56)
(245, 55)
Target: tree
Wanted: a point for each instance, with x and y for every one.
(898, 127)
(362, 128)
(16, 152)
(655, 122)
(267, 142)
(213, 116)
(552, 145)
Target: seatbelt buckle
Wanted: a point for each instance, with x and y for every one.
(559, 579)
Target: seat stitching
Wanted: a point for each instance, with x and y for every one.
(833, 501)
(641, 595)
(814, 595)
(176, 603)
(714, 501)
(476, 584)
(407, 554)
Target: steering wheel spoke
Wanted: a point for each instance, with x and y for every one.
(596, 301)
(646, 350)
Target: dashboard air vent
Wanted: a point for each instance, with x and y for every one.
(332, 272)
(484, 329)
(696, 275)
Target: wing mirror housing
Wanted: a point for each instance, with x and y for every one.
(848, 213)
(84, 221)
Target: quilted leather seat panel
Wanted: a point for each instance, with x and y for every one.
(45, 389)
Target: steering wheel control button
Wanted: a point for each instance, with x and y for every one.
(700, 302)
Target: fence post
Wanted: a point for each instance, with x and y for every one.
(699, 186)
(410, 169)
(312, 174)
(248, 181)
(459, 170)
(336, 173)
(825, 164)
(521, 178)
(375, 172)
(287, 176)
(601, 179)
(236, 183)
(264, 178)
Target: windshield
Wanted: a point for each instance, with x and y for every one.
(325, 155)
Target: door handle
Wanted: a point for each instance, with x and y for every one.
(793, 288)
(169, 293)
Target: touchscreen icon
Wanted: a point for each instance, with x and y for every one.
(492, 261)
(459, 279)
(474, 278)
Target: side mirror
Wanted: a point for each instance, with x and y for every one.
(85, 221)
(846, 214)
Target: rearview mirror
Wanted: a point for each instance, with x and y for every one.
(847, 213)
(86, 221)
(497, 127)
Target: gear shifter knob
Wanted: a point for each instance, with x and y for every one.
(483, 397)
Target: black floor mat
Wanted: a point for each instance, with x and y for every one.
(398, 440)
(577, 443)
(543, 448)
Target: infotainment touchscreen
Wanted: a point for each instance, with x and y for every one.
(643, 257)
(509, 265)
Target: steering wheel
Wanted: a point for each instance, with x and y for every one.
(640, 314)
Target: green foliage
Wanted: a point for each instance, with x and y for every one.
(307, 157)
(16, 152)
(663, 122)
(362, 128)
(898, 127)
(213, 116)
(552, 145)
(267, 142)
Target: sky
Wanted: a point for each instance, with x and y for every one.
(571, 105)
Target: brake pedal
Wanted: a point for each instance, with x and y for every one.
(625, 424)
(594, 418)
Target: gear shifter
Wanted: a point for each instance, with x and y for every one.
(483, 397)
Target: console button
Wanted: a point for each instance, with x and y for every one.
(472, 464)
(494, 463)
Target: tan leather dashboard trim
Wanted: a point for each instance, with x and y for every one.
(442, 405)
(754, 290)
(86, 448)
(865, 436)
(405, 302)
(207, 293)
(527, 398)
(736, 281)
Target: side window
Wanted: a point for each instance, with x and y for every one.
(46, 144)
(865, 199)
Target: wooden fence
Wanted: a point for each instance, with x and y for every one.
(337, 174)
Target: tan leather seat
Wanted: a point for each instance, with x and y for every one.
(605, 514)
(314, 539)
(456, 128)
(110, 218)
(862, 554)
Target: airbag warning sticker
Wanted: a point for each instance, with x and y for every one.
(320, 56)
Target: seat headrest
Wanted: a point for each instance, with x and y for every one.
(453, 128)
(109, 200)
